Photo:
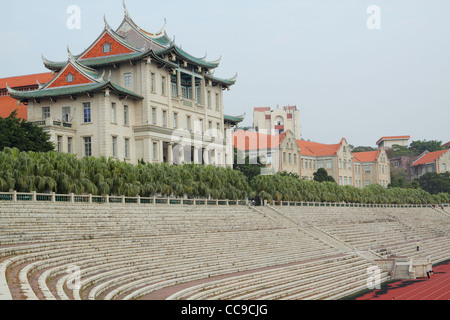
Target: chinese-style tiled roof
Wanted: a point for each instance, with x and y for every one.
(368, 156)
(394, 138)
(248, 140)
(429, 157)
(233, 119)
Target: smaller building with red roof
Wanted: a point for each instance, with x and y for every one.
(19, 83)
(438, 161)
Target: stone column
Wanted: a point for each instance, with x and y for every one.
(179, 84)
(170, 153)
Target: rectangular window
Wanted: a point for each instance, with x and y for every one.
(152, 82)
(164, 118)
(66, 114)
(210, 126)
(350, 181)
(45, 113)
(154, 116)
(175, 120)
(345, 180)
(127, 148)
(290, 158)
(163, 85)
(329, 164)
(367, 169)
(174, 90)
(284, 157)
(113, 112)
(367, 183)
(59, 143)
(319, 164)
(128, 80)
(155, 151)
(188, 123)
(209, 99)
(87, 146)
(340, 181)
(114, 146)
(125, 115)
(217, 102)
(87, 112)
(295, 158)
(69, 144)
(200, 121)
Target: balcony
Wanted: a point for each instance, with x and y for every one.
(52, 123)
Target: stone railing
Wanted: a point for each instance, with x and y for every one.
(30, 197)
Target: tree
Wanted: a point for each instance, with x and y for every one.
(244, 166)
(435, 183)
(322, 176)
(363, 149)
(23, 135)
(418, 147)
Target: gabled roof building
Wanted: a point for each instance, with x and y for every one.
(133, 95)
(438, 162)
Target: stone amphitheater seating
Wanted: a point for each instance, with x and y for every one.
(226, 252)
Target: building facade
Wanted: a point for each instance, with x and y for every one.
(388, 142)
(287, 154)
(278, 120)
(438, 162)
(133, 95)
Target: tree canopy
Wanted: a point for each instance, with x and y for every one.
(435, 183)
(322, 176)
(23, 135)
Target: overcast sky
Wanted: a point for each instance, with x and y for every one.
(347, 80)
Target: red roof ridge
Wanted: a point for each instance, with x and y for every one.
(428, 157)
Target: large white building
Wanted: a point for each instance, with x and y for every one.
(133, 95)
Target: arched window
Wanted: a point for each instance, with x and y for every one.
(70, 77)
(106, 47)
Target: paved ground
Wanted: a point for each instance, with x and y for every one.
(436, 288)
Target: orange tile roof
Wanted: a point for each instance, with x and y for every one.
(369, 156)
(394, 138)
(318, 149)
(26, 81)
(264, 109)
(8, 105)
(248, 140)
(445, 145)
(429, 157)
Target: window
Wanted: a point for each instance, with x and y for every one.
(128, 80)
(350, 181)
(66, 114)
(127, 148)
(443, 168)
(113, 112)
(290, 158)
(199, 95)
(59, 143)
(87, 146)
(164, 118)
(69, 144)
(154, 116)
(284, 157)
(319, 164)
(175, 120)
(163, 85)
(209, 99)
(188, 123)
(106, 48)
(155, 151)
(345, 180)
(45, 113)
(295, 158)
(200, 125)
(114, 146)
(174, 90)
(87, 112)
(152, 82)
(217, 102)
(340, 181)
(340, 163)
(70, 78)
(367, 169)
(329, 164)
(125, 115)
(210, 126)
(367, 183)
(345, 164)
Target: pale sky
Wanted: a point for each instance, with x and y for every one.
(347, 80)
